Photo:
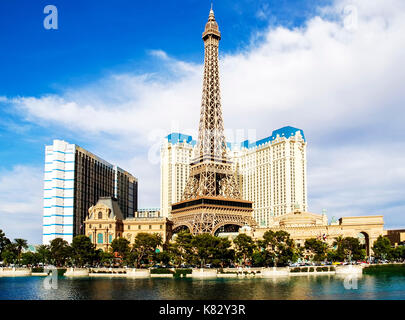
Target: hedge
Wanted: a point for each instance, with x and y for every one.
(61, 272)
(387, 269)
(182, 272)
(161, 271)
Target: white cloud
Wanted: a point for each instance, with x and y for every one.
(21, 191)
(343, 86)
(159, 54)
(358, 179)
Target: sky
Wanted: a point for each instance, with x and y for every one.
(116, 77)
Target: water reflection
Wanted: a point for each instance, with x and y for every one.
(294, 287)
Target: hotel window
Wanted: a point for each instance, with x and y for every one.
(150, 227)
(100, 238)
(100, 215)
(139, 227)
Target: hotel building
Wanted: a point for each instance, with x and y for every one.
(74, 180)
(271, 172)
(105, 222)
(175, 156)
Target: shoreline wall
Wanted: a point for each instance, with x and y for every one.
(15, 272)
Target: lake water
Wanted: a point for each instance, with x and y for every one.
(379, 287)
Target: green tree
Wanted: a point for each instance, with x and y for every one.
(104, 258)
(182, 248)
(9, 256)
(30, 258)
(317, 249)
(338, 253)
(280, 247)
(144, 247)
(244, 247)
(173, 254)
(163, 257)
(382, 248)
(60, 251)
(223, 254)
(260, 258)
(121, 247)
(82, 250)
(4, 241)
(333, 255)
(10, 253)
(398, 253)
(204, 246)
(20, 245)
(349, 248)
(44, 253)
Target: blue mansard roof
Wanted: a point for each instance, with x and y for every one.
(284, 132)
(175, 138)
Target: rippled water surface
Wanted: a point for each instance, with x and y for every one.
(303, 287)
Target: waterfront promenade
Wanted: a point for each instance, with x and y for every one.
(190, 273)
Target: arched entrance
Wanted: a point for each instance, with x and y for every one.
(178, 229)
(364, 240)
(227, 228)
(182, 227)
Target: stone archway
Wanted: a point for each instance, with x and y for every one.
(364, 239)
(177, 229)
(180, 227)
(227, 228)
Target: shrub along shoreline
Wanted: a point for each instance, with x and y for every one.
(386, 269)
(275, 249)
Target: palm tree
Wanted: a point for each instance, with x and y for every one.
(44, 253)
(339, 245)
(20, 245)
(338, 242)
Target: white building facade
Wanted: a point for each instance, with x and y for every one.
(175, 156)
(74, 180)
(271, 172)
(59, 191)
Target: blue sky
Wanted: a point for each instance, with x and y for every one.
(122, 63)
(98, 38)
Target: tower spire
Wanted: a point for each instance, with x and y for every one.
(211, 139)
(211, 198)
(211, 173)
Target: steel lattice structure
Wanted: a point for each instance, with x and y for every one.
(211, 174)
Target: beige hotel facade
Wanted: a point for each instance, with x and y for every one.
(271, 172)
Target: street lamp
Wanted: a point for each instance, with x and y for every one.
(95, 236)
(107, 239)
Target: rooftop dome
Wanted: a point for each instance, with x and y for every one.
(211, 27)
(299, 218)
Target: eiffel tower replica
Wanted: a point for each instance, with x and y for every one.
(212, 197)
